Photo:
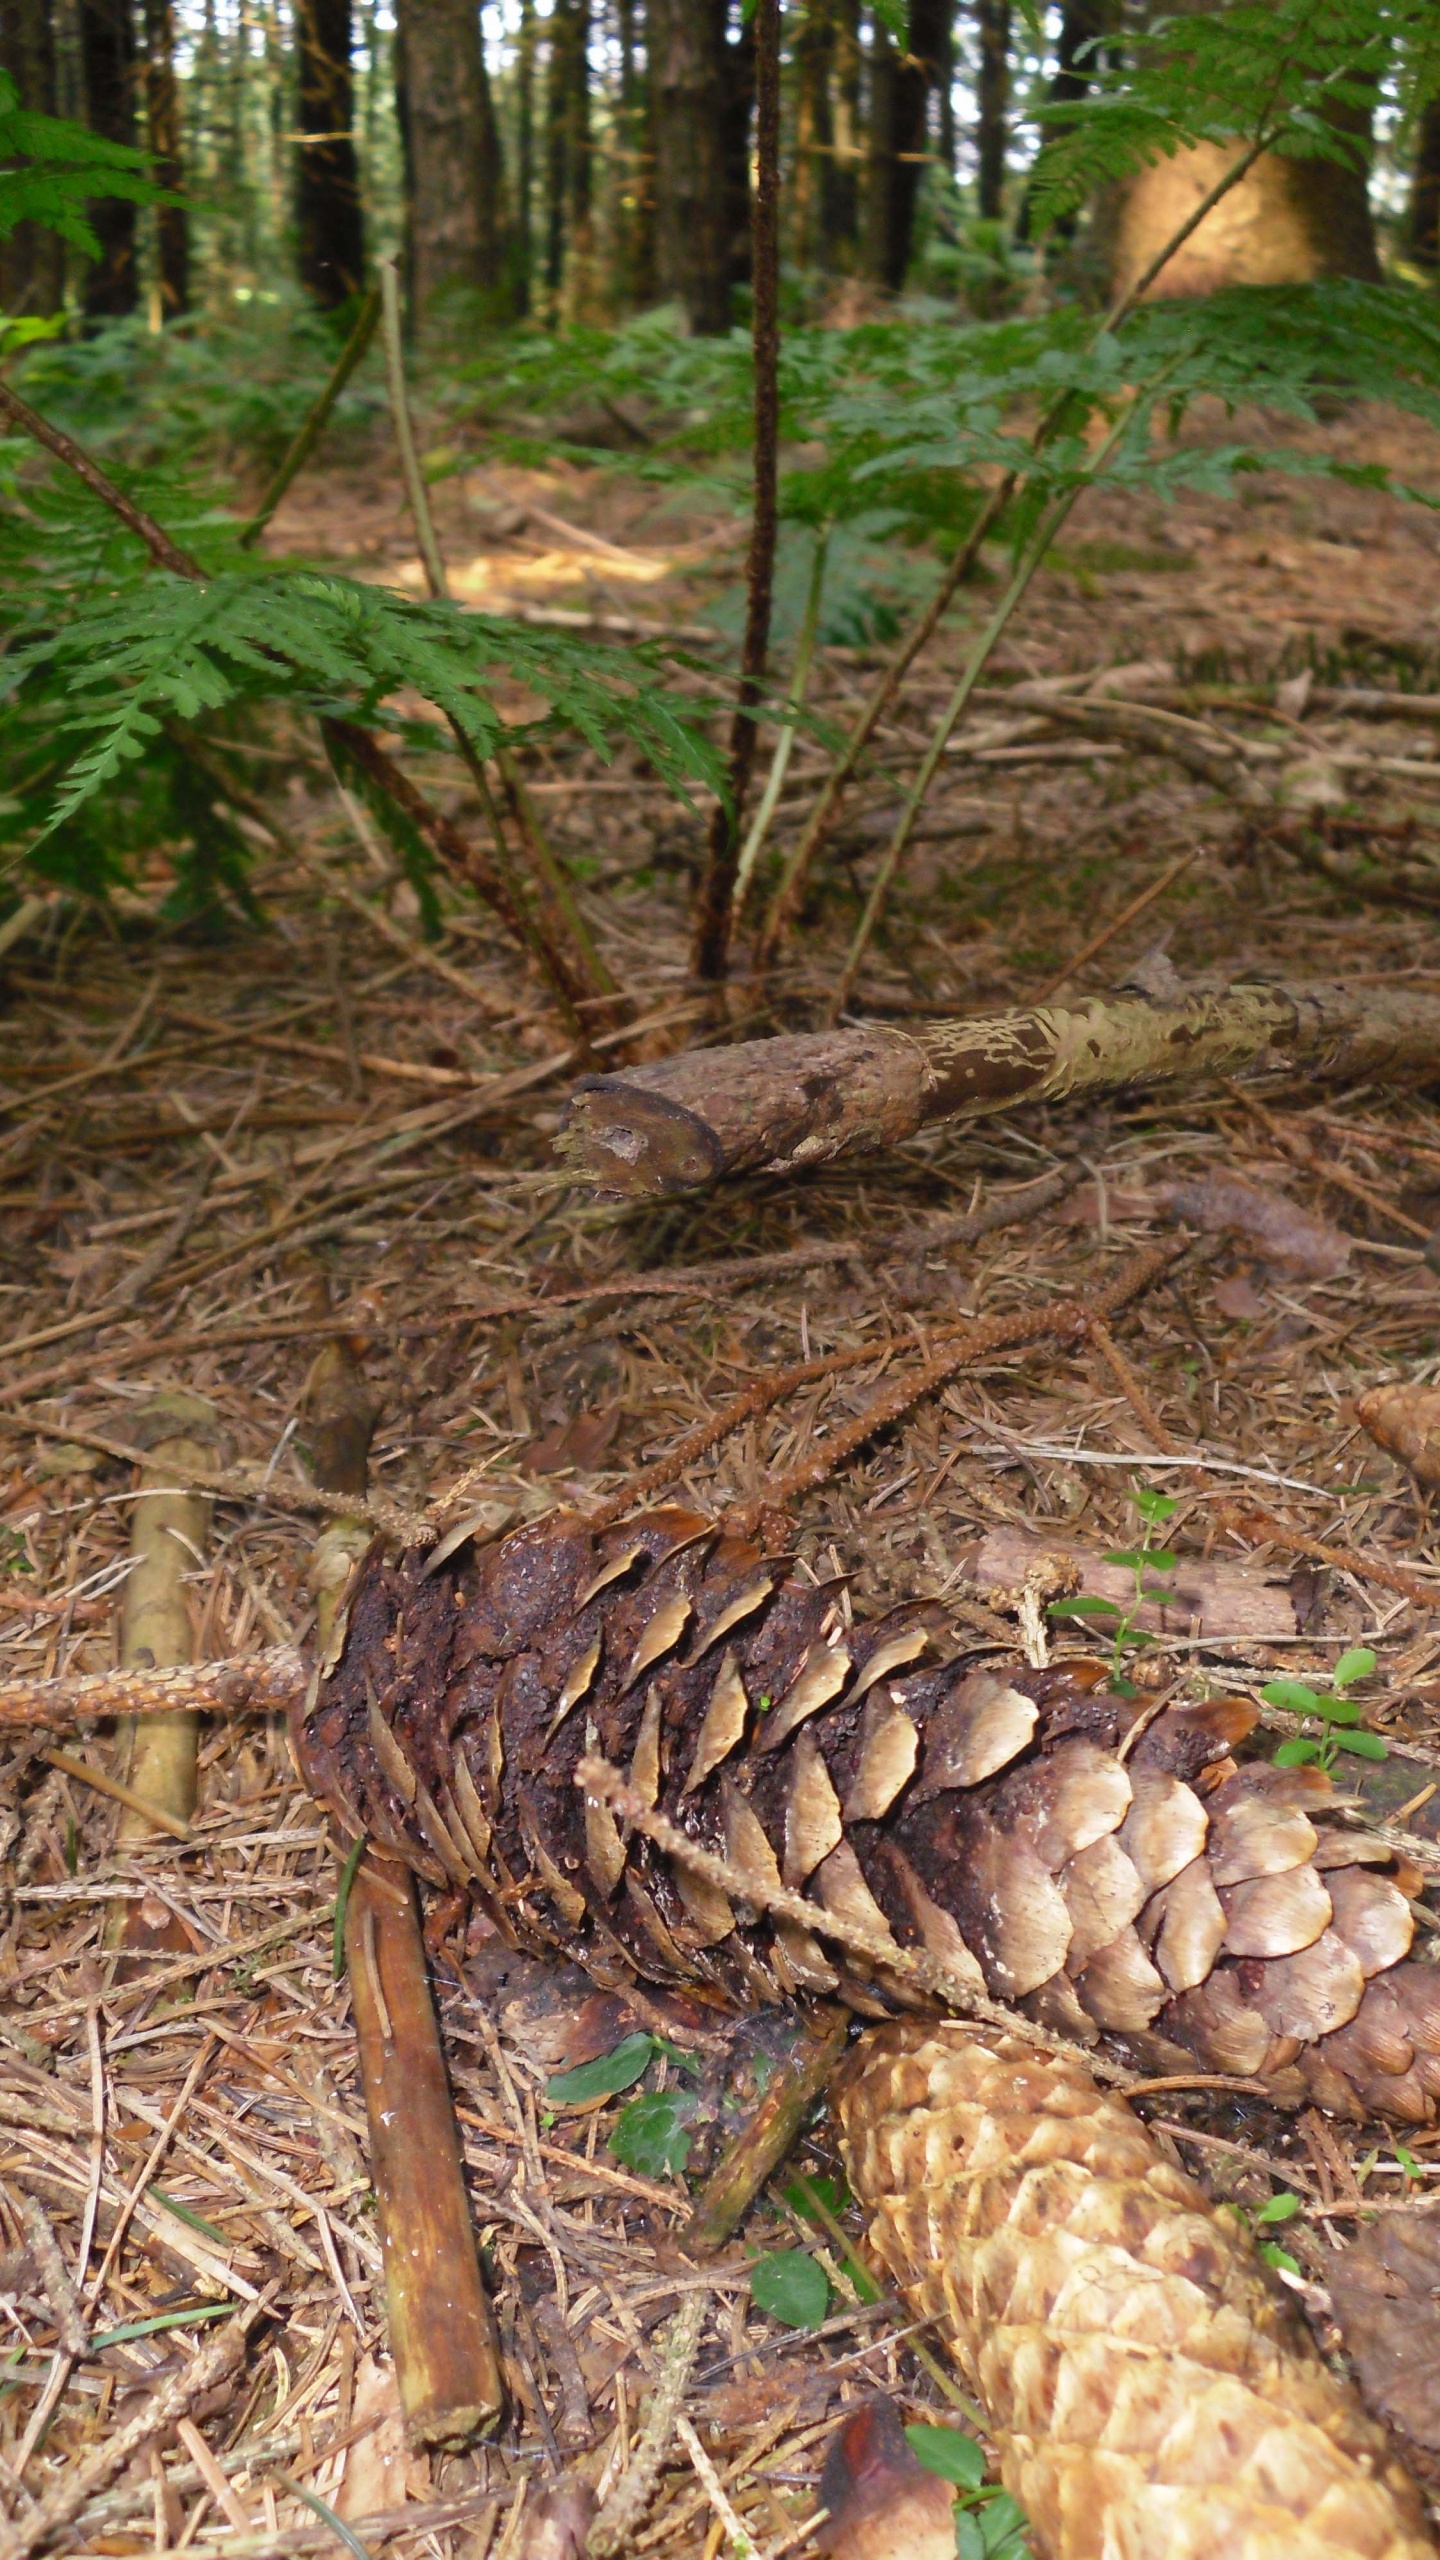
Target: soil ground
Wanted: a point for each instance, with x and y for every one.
(198, 1131)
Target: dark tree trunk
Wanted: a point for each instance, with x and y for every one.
(900, 90)
(162, 116)
(637, 192)
(524, 256)
(1424, 217)
(570, 246)
(32, 260)
(107, 57)
(992, 19)
(328, 216)
(688, 82)
(814, 47)
(1082, 24)
(454, 179)
(947, 137)
(738, 57)
(842, 217)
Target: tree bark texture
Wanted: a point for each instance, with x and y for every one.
(1148, 2389)
(162, 119)
(776, 1104)
(1082, 24)
(329, 220)
(810, 187)
(900, 88)
(107, 58)
(32, 260)
(1423, 224)
(452, 155)
(992, 21)
(570, 259)
(686, 41)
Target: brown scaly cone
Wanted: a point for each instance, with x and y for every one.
(1151, 2396)
(1094, 1865)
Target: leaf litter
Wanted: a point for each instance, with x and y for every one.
(358, 1123)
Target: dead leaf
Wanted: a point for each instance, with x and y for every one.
(882, 2503)
(1239, 1297)
(380, 2472)
(1282, 1234)
(578, 1445)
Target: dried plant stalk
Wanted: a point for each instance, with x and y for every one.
(441, 2335)
(1149, 2390)
(168, 1533)
(257, 1683)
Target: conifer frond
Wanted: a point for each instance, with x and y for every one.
(50, 169)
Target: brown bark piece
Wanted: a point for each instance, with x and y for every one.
(682, 1122)
(1149, 2391)
(1212, 1597)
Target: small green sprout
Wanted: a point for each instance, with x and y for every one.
(1337, 1712)
(1154, 1509)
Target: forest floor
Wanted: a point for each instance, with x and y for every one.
(196, 1129)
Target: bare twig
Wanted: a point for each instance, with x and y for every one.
(714, 902)
(351, 354)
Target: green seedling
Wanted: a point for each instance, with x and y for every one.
(1278, 2208)
(1154, 1509)
(988, 2523)
(1338, 1713)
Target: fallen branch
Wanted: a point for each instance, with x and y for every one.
(446, 2366)
(780, 1104)
(246, 1684)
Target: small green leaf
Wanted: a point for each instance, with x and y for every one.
(1339, 1710)
(1123, 1688)
(1275, 2256)
(949, 2454)
(605, 2077)
(1366, 1746)
(1296, 1755)
(1085, 1607)
(1279, 2208)
(650, 2137)
(1134, 1557)
(1154, 1506)
(1355, 1665)
(791, 2288)
(186, 2213)
(804, 2194)
(1407, 2160)
(1294, 1695)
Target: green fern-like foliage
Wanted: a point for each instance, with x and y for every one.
(50, 169)
(1299, 75)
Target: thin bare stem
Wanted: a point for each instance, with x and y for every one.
(786, 901)
(314, 427)
(784, 744)
(714, 903)
(975, 666)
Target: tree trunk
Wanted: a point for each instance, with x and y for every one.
(452, 155)
(992, 18)
(900, 87)
(685, 1121)
(32, 260)
(571, 250)
(1082, 24)
(842, 209)
(636, 183)
(1423, 225)
(737, 56)
(687, 86)
(328, 216)
(814, 46)
(107, 57)
(162, 116)
(524, 251)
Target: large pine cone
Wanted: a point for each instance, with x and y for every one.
(1102, 1870)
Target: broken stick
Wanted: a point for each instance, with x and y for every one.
(682, 1122)
(441, 2336)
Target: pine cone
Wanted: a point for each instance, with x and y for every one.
(1100, 1871)
(1151, 2395)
